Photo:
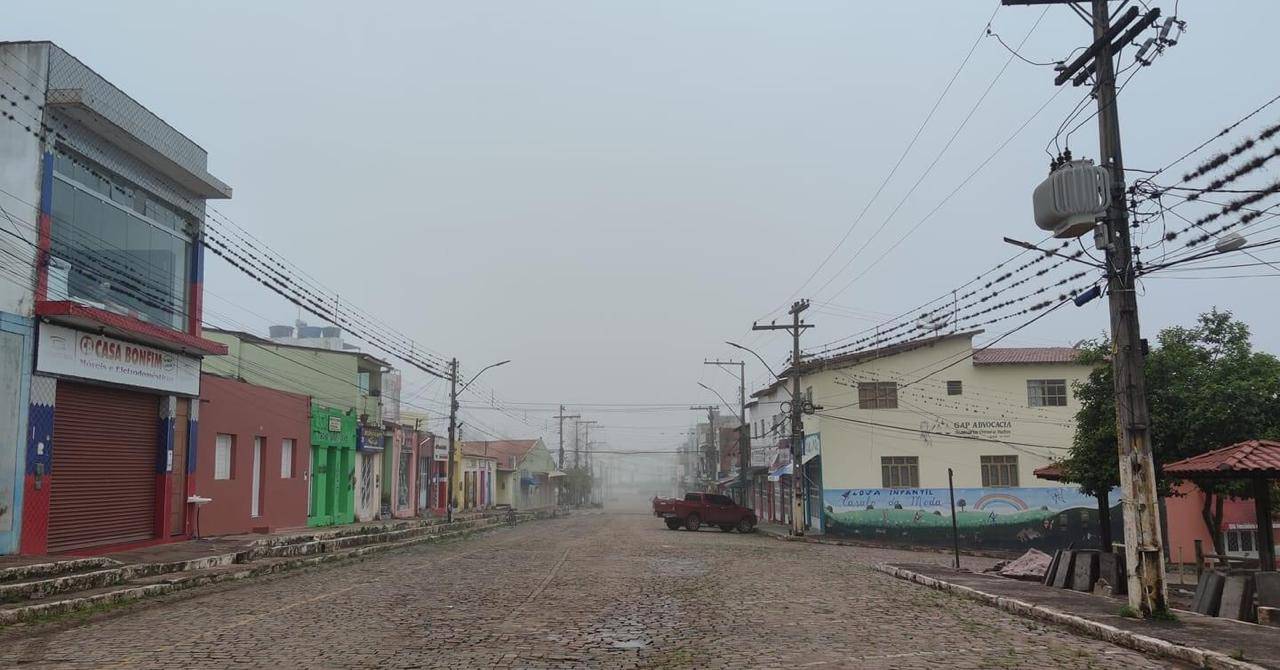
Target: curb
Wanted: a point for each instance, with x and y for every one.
(180, 582)
(1203, 658)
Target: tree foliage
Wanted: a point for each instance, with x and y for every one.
(1206, 387)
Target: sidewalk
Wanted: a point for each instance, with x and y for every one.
(1208, 642)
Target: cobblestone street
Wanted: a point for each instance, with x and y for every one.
(592, 590)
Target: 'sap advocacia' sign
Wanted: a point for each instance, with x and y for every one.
(65, 351)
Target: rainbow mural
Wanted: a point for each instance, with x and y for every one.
(1046, 518)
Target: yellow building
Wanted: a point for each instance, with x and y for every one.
(890, 424)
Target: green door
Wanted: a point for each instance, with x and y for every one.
(333, 445)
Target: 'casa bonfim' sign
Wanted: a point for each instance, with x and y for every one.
(75, 353)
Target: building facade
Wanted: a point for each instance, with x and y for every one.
(898, 423)
(524, 472)
(347, 432)
(256, 463)
(400, 474)
(100, 343)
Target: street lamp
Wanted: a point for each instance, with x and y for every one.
(453, 425)
(759, 358)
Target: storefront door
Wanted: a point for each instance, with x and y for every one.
(103, 488)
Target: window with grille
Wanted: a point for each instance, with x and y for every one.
(1047, 392)
(999, 470)
(900, 472)
(954, 387)
(222, 448)
(877, 395)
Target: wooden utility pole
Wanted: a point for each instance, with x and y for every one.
(799, 485)
(1144, 555)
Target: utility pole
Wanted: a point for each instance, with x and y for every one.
(710, 452)
(1144, 556)
(453, 433)
(561, 417)
(586, 440)
(744, 435)
(799, 485)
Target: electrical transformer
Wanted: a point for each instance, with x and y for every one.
(1069, 202)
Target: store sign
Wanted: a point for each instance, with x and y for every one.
(75, 353)
(370, 439)
(335, 424)
(812, 447)
(441, 453)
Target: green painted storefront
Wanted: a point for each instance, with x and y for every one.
(333, 450)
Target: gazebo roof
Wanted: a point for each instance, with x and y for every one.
(1051, 472)
(1252, 458)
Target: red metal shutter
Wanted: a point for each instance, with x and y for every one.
(105, 442)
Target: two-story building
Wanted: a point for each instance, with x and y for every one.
(100, 336)
(893, 426)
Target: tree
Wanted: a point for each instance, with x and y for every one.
(1207, 389)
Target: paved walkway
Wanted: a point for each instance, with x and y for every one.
(590, 590)
(1234, 639)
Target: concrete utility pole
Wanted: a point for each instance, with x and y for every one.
(586, 441)
(561, 417)
(712, 472)
(799, 485)
(1143, 544)
(450, 473)
(744, 435)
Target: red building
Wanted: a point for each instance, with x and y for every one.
(253, 459)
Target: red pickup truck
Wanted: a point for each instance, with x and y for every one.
(705, 508)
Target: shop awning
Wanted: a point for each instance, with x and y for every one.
(780, 472)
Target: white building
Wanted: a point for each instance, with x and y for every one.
(892, 422)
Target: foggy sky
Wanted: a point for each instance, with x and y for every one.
(604, 192)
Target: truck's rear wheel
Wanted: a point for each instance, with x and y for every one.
(726, 527)
(672, 524)
(694, 522)
(746, 526)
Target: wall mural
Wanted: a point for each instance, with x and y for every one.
(998, 518)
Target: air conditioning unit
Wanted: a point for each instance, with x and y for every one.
(1072, 199)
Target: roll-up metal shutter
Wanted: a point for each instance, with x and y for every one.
(104, 467)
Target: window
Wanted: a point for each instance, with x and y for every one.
(124, 250)
(899, 472)
(999, 470)
(1241, 541)
(286, 458)
(222, 448)
(720, 500)
(877, 395)
(1047, 392)
(955, 387)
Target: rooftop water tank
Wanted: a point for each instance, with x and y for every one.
(309, 332)
(280, 331)
(331, 331)
(1072, 199)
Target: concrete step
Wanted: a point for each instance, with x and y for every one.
(146, 585)
(32, 571)
(116, 573)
